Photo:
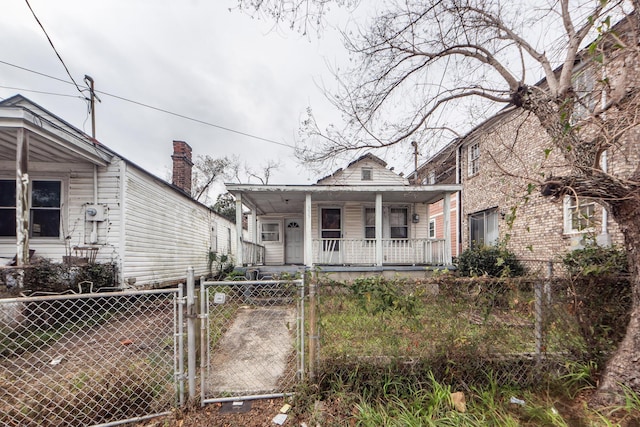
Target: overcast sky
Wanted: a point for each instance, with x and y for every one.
(194, 58)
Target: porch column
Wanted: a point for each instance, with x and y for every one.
(239, 249)
(22, 197)
(379, 251)
(446, 211)
(254, 225)
(428, 253)
(308, 243)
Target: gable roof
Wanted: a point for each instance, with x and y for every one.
(364, 157)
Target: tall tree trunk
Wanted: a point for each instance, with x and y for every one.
(623, 369)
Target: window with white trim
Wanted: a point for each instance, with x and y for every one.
(432, 228)
(45, 212)
(395, 222)
(474, 158)
(398, 223)
(587, 94)
(483, 228)
(578, 214)
(369, 223)
(270, 232)
(367, 174)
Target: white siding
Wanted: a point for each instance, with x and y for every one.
(165, 232)
(273, 251)
(353, 175)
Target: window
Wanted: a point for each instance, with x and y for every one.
(474, 159)
(398, 223)
(271, 232)
(7, 208)
(395, 223)
(483, 228)
(584, 85)
(369, 223)
(578, 214)
(367, 174)
(432, 228)
(44, 215)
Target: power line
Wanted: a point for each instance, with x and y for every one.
(142, 104)
(52, 45)
(42, 92)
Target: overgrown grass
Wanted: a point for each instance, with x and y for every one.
(381, 396)
(393, 352)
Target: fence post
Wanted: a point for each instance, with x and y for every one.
(538, 322)
(180, 341)
(204, 339)
(191, 338)
(313, 330)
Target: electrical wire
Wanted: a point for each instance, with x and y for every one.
(53, 46)
(142, 104)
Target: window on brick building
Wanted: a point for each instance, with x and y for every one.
(578, 214)
(474, 158)
(483, 228)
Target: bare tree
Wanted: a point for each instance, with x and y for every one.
(206, 171)
(422, 63)
(265, 171)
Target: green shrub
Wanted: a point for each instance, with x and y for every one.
(601, 296)
(489, 261)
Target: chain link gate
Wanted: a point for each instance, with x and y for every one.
(252, 339)
(88, 359)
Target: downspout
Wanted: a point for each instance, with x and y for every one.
(604, 239)
(93, 239)
(458, 202)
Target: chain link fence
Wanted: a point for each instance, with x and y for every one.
(87, 359)
(253, 338)
(462, 329)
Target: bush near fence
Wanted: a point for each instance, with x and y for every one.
(462, 329)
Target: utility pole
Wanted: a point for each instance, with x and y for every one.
(89, 81)
(415, 160)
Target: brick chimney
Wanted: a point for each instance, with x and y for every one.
(182, 166)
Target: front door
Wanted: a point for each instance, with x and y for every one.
(293, 249)
(331, 232)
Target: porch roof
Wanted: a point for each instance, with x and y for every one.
(285, 199)
(48, 141)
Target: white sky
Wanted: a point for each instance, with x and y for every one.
(191, 57)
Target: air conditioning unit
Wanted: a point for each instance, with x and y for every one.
(94, 213)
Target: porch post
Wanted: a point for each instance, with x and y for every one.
(22, 197)
(379, 251)
(428, 253)
(254, 226)
(239, 249)
(308, 243)
(446, 211)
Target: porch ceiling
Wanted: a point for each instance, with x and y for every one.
(48, 143)
(288, 199)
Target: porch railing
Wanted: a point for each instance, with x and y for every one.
(252, 253)
(394, 251)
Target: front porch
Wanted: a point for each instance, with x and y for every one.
(355, 227)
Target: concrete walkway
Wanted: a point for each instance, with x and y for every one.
(253, 353)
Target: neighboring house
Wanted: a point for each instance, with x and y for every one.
(83, 200)
(442, 169)
(498, 162)
(360, 219)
